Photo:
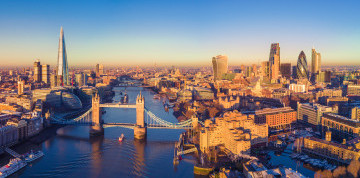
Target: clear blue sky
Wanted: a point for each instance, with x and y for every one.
(132, 32)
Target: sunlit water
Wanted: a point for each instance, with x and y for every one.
(73, 154)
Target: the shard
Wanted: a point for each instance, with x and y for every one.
(63, 68)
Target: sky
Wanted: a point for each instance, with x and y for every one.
(179, 33)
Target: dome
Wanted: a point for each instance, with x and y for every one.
(71, 101)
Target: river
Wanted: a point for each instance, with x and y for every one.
(71, 153)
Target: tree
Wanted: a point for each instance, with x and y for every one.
(340, 172)
(353, 168)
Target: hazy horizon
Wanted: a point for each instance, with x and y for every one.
(179, 33)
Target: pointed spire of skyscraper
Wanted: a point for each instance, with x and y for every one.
(62, 68)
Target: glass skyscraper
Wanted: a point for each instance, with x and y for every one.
(62, 65)
(302, 70)
(315, 62)
(220, 66)
(274, 61)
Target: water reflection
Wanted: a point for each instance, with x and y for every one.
(96, 158)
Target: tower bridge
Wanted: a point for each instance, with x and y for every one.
(93, 118)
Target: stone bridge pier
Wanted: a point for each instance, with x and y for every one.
(139, 129)
(96, 128)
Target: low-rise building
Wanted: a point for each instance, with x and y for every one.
(229, 102)
(311, 113)
(340, 125)
(326, 148)
(8, 135)
(236, 131)
(276, 118)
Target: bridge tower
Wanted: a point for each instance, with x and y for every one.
(140, 128)
(96, 128)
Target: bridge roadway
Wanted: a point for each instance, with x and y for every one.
(118, 105)
(149, 126)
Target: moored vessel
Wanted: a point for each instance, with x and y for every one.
(32, 156)
(13, 166)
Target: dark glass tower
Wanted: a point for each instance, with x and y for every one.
(302, 70)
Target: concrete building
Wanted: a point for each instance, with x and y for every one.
(34, 123)
(45, 68)
(21, 126)
(21, 86)
(237, 132)
(274, 61)
(315, 62)
(353, 90)
(285, 70)
(229, 102)
(265, 69)
(8, 135)
(53, 80)
(298, 88)
(220, 66)
(342, 126)
(277, 118)
(37, 71)
(311, 113)
(343, 153)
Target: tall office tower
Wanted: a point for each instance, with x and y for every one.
(255, 69)
(294, 70)
(45, 73)
(302, 70)
(220, 66)
(62, 65)
(315, 62)
(285, 70)
(53, 80)
(79, 79)
(85, 78)
(274, 61)
(37, 71)
(21, 84)
(101, 69)
(265, 68)
(315, 66)
(97, 70)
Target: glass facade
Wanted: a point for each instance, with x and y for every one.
(302, 70)
(62, 69)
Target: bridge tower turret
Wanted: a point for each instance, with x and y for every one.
(140, 128)
(96, 128)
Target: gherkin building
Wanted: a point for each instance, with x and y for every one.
(302, 67)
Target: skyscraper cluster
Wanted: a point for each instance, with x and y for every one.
(273, 69)
(41, 72)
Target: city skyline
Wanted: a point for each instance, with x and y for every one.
(184, 34)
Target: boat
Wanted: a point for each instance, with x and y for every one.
(121, 138)
(33, 156)
(13, 166)
(204, 171)
(156, 96)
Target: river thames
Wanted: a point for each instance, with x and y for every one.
(72, 154)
